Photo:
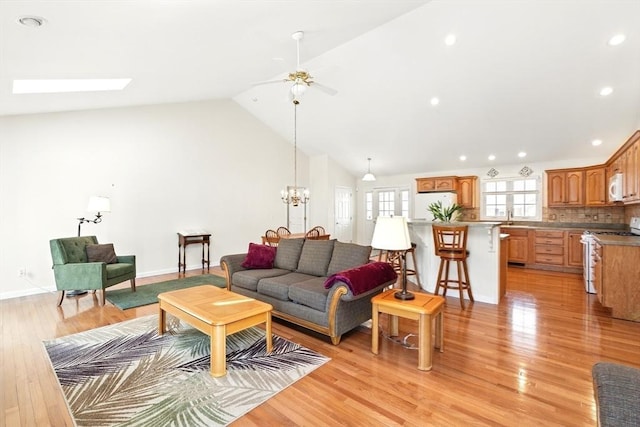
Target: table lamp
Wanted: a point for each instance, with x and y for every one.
(392, 234)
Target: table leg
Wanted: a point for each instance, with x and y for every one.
(208, 256)
(218, 351)
(393, 325)
(440, 331)
(161, 321)
(268, 335)
(424, 342)
(203, 255)
(374, 328)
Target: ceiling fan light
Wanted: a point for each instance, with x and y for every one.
(298, 89)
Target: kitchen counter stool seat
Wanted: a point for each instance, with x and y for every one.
(450, 244)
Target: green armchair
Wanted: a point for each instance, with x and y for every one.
(72, 270)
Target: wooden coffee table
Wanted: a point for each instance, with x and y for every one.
(217, 313)
(424, 308)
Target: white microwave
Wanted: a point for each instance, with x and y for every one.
(615, 187)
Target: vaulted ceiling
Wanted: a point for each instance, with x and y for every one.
(522, 75)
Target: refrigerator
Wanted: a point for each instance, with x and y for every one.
(422, 201)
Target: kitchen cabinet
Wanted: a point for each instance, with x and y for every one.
(549, 247)
(467, 190)
(575, 249)
(565, 187)
(442, 183)
(630, 174)
(616, 272)
(595, 188)
(518, 248)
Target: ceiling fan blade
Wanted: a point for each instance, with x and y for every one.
(266, 82)
(323, 88)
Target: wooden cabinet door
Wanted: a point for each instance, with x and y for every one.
(555, 188)
(518, 244)
(467, 191)
(575, 249)
(630, 173)
(573, 188)
(595, 187)
(425, 185)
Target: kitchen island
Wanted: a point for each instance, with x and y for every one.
(483, 244)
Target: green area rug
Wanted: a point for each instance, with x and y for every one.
(148, 294)
(126, 375)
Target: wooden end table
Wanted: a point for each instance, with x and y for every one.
(424, 308)
(186, 238)
(217, 313)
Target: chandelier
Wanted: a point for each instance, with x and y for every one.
(294, 197)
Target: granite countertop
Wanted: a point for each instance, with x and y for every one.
(608, 239)
(592, 226)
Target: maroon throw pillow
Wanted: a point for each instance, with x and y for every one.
(259, 256)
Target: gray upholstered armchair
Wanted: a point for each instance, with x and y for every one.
(73, 271)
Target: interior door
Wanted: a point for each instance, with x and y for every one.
(343, 214)
(297, 215)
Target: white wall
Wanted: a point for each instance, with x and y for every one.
(166, 168)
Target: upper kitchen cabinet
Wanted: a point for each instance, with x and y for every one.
(441, 183)
(595, 191)
(467, 190)
(565, 187)
(626, 161)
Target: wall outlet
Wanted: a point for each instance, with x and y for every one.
(595, 217)
(22, 272)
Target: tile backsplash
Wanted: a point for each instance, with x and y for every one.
(591, 214)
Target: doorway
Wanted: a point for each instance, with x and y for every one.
(343, 230)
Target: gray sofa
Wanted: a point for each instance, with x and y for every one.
(295, 285)
(617, 392)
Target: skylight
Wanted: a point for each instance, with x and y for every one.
(68, 85)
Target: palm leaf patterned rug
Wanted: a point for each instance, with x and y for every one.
(126, 375)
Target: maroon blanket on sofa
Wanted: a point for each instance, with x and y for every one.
(364, 278)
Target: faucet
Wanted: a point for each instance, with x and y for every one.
(509, 217)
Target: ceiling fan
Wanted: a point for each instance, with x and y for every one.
(300, 78)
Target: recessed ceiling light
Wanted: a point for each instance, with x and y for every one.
(522, 154)
(434, 101)
(492, 157)
(616, 40)
(463, 158)
(450, 40)
(68, 85)
(606, 91)
(31, 21)
(596, 142)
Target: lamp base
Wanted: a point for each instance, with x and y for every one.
(404, 295)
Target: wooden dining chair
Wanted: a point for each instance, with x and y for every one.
(283, 231)
(312, 234)
(271, 237)
(320, 229)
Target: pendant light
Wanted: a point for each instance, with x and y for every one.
(369, 176)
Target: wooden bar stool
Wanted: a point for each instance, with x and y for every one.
(395, 259)
(450, 244)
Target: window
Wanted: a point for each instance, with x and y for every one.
(404, 203)
(368, 205)
(511, 198)
(386, 203)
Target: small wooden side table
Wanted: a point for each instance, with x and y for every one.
(186, 238)
(424, 308)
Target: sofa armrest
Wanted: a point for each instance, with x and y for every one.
(347, 294)
(127, 259)
(82, 275)
(617, 392)
(231, 264)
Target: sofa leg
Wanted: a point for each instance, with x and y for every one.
(102, 296)
(133, 284)
(336, 340)
(60, 298)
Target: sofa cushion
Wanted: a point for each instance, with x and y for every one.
(315, 257)
(101, 253)
(310, 293)
(346, 256)
(278, 287)
(259, 256)
(248, 279)
(616, 388)
(288, 254)
(119, 269)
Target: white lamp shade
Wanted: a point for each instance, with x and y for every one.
(391, 233)
(369, 177)
(99, 204)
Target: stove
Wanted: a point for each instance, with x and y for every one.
(587, 240)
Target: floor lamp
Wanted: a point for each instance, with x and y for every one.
(392, 234)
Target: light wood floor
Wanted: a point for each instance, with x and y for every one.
(525, 362)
